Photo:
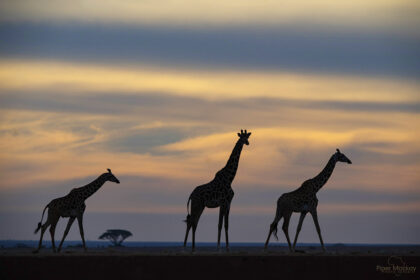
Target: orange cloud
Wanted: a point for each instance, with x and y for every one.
(211, 85)
(288, 144)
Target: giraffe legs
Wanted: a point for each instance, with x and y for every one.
(302, 216)
(52, 232)
(219, 229)
(192, 221)
(196, 211)
(82, 234)
(268, 237)
(70, 222)
(227, 226)
(43, 229)
(286, 229)
(188, 231)
(273, 227)
(51, 222)
(318, 229)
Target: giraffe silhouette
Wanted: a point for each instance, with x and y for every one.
(303, 200)
(216, 193)
(72, 206)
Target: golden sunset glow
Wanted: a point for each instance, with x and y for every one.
(214, 85)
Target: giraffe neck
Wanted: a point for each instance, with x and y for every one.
(229, 171)
(325, 174)
(92, 187)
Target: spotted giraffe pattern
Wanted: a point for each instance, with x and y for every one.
(216, 193)
(303, 200)
(72, 206)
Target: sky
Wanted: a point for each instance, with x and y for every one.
(157, 91)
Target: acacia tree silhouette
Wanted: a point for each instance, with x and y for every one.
(116, 236)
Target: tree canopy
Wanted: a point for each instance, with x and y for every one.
(116, 236)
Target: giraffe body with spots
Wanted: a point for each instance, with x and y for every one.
(71, 206)
(216, 193)
(303, 200)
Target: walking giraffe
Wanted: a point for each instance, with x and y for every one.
(72, 206)
(217, 193)
(303, 200)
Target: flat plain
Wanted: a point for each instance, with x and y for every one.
(241, 262)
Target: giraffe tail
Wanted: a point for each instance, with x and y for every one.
(275, 223)
(40, 223)
(187, 220)
(274, 226)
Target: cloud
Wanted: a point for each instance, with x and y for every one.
(185, 133)
(24, 75)
(59, 146)
(388, 14)
(287, 48)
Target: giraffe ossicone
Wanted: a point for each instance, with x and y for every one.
(72, 206)
(216, 193)
(303, 200)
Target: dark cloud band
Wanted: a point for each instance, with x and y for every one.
(291, 49)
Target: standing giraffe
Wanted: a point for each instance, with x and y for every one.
(72, 206)
(303, 200)
(217, 193)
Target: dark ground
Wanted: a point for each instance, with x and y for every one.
(340, 262)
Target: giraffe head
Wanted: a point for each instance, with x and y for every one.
(342, 157)
(243, 136)
(110, 177)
